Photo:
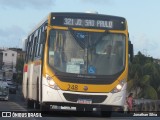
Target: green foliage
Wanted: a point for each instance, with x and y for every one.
(19, 67)
(144, 74)
(20, 63)
(145, 81)
(148, 93)
(130, 85)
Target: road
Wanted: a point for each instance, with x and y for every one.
(18, 105)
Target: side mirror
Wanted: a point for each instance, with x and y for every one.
(130, 51)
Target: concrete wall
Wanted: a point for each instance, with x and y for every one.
(9, 57)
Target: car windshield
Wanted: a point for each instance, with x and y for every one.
(91, 53)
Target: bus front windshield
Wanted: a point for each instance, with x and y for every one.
(90, 53)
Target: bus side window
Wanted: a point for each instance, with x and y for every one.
(42, 41)
(30, 48)
(36, 44)
(27, 51)
(34, 47)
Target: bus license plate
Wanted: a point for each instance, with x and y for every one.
(84, 101)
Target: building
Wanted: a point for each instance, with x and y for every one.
(8, 60)
(1, 59)
(20, 53)
(157, 61)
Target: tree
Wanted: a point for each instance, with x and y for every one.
(135, 73)
(147, 92)
(144, 77)
(19, 68)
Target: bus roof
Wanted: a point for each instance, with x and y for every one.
(77, 15)
(88, 20)
(85, 14)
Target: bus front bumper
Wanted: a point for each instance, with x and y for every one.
(72, 99)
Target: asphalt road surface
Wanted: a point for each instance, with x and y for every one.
(17, 107)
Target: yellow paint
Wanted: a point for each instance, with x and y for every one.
(91, 87)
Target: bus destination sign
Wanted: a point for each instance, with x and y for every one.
(88, 23)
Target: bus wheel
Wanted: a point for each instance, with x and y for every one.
(30, 104)
(36, 105)
(44, 108)
(106, 111)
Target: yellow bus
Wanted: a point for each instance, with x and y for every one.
(77, 60)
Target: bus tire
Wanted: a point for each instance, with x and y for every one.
(106, 111)
(44, 108)
(30, 103)
(36, 105)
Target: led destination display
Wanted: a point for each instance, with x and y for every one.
(88, 21)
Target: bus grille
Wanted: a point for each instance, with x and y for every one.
(75, 97)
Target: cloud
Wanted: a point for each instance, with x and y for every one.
(11, 36)
(97, 1)
(145, 44)
(21, 4)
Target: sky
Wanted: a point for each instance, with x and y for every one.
(18, 18)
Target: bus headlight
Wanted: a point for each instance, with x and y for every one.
(119, 87)
(51, 83)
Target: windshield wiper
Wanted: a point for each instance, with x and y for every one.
(81, 42)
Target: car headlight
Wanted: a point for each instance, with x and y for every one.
(119, 87)
(51, 83)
